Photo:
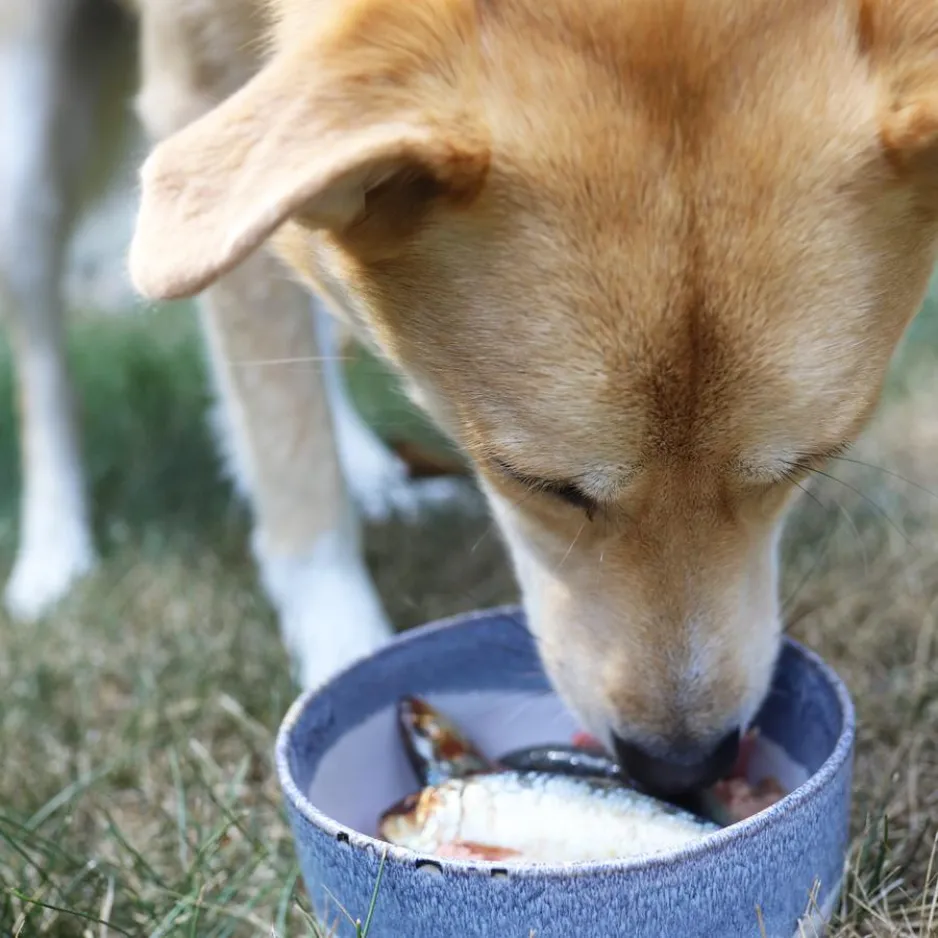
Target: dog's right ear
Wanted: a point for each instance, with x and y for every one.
(376, 98)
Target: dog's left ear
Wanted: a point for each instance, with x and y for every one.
(373, 102)
(901, 39)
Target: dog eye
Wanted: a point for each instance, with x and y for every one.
(791, 467)
(568, 492)
(572, 495)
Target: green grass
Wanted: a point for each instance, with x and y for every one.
(137, 794)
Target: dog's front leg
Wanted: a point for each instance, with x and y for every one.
(265, 357)
(44, 101)
(276, 419)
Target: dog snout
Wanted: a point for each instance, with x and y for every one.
(678, 768)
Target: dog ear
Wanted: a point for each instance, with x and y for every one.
(901, 38)
(375, 101)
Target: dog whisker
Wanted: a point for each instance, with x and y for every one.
(492, 526)
(873, 504)
(889, 472)
(845, 514)
(570, 548)
(301, 360)
(819, 558)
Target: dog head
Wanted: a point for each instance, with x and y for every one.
(647, 262)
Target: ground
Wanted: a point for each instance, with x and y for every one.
(137, 793)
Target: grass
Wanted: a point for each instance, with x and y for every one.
(137, 794)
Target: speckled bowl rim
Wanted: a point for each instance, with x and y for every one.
(712, 844)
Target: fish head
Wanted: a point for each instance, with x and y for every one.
(437, 749)
(403, 822)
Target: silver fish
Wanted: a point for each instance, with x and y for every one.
(538, 818)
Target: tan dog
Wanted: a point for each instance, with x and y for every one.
(646, 260)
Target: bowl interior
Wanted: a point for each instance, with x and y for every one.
(344, 752)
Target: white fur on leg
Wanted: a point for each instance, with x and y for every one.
(55, 546)
(377, 478)
(53, 555)
(55, 539)
(330, 612)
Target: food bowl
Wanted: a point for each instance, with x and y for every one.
(341, 764)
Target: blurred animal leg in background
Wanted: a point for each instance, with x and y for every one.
(48, 101)
(273, 404)
(383, 482)
(375, 475)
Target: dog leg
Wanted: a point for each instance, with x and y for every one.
(267, 366)
(275, 415)
(375, 475)
(378, 478)
(36, 188)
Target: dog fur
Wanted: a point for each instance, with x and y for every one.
(646, 260)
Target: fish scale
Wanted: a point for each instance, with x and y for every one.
(539, 818)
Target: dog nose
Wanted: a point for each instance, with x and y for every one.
(677, 773)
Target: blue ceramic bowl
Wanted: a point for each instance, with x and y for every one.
(341, 765)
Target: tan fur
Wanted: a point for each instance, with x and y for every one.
(659, 249)
(195, 54)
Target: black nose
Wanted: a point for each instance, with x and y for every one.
(677, 771)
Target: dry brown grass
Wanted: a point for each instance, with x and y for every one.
(137, 795)
(870, 606)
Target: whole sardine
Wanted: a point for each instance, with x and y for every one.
(538, 818)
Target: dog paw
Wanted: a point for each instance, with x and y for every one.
(330, 612)
(44, 574)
